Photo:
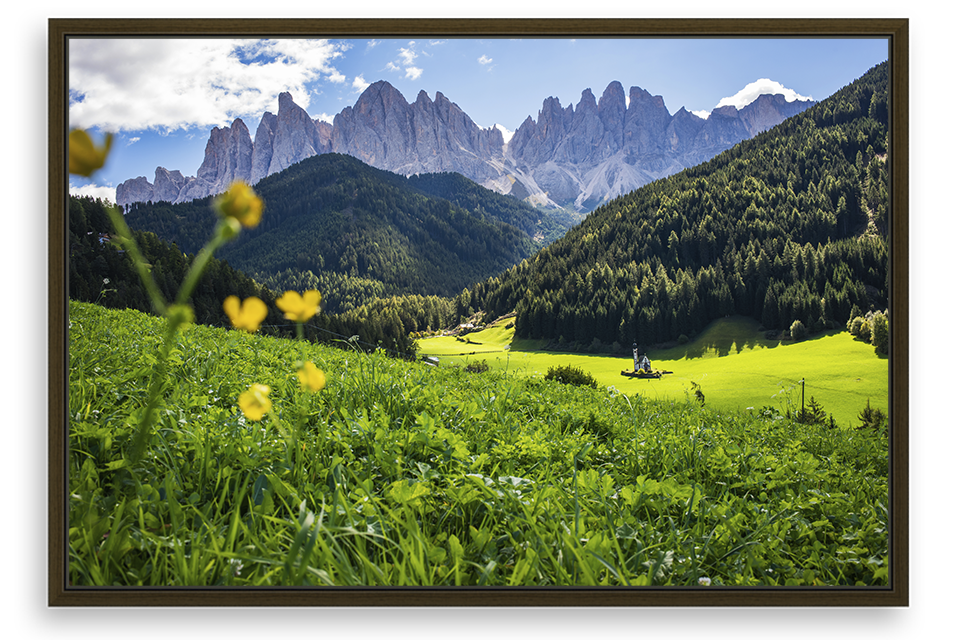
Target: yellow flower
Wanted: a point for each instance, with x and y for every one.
(311, 377)
(297, 308)
(246, 316)
(240, 203)
(254, 401)
(86, 157)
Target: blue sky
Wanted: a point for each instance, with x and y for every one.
(161, 97)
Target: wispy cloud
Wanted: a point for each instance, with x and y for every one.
(121, 84)
(484, 59)
(359, 84)
(407, 56)
(404, 62)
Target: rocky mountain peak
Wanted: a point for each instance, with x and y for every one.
(569, 156)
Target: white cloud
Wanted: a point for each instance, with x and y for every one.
(133, 140)
(404, 63)
(484, 59)
(762, 86)
(359, 84)
(701, 114)
(372, 43)
(407, 56)
(169, 84)
(507, 133)
(94, 191)
(337, 77)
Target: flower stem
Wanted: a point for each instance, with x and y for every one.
(197, 266)
(130, 245)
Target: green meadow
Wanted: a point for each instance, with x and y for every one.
(401, 474)
(734, 365)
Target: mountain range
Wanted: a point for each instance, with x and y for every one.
(575, 157)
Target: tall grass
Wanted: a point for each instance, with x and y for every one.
(403, 474)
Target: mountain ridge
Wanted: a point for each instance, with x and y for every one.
(431, 234)
(573, 157)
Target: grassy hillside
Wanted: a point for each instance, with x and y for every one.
(735, 366)
(401, 474)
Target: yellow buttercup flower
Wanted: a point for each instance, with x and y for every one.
(86, 157)
(240, 203)
(311, 377)
(246, 316)
(299, 308)
(254, 402)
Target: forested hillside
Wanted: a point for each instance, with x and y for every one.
(543, 225)
(788, 226)
(103, 273)
(332, 214)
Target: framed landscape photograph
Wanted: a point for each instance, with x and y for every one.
(604, 313)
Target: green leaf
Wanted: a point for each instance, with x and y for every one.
(260, 485)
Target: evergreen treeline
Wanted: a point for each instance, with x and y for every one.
(332, 214)
(102, 273)
(387, 323)
(790, 225)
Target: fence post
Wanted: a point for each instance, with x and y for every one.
(802, 398)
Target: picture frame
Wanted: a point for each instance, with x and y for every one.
(904, 32)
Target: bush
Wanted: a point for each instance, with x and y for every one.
(683, 339)
(798, 331)
(873, 419)
(880, 332)
(571, 375)
(478, 367)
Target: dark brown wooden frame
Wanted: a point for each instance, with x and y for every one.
(896, 595)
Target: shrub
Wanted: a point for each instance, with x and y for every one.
(571, 375)
(478, 367)
(698, 393)
(820, 324)
(880, 332)
(683, 339)
(874, 419)
(798, 331)
(814, 413)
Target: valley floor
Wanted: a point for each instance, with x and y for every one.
(734, 365)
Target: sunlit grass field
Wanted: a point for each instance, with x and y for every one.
(398, 474)
(735, 366)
